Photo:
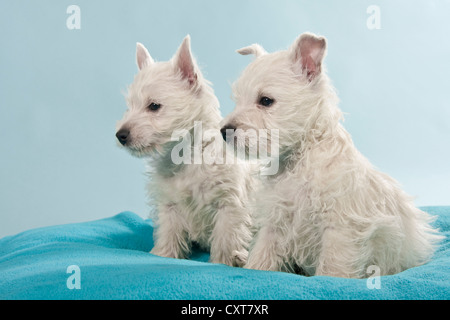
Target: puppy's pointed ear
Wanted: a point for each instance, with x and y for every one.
(143, 58)
(307, 54)
(255, 49)
(185, 63)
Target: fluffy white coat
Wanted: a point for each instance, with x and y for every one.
(202, 203)
(327, 211)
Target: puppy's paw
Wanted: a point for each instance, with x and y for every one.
(239, 258)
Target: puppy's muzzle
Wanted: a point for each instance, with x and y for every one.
(123, 136)
(227, 132)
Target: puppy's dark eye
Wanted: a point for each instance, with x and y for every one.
(154, 106)
(266, 102)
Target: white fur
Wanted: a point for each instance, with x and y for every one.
(327, 210)
(201, 203)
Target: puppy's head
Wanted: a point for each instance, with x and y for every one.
(279, 91)
(164, 97)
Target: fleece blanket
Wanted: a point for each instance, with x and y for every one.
(110, 259)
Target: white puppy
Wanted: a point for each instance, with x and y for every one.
(327, 210)
(196, 201)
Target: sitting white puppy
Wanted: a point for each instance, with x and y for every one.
(196, 200)
(327, 210)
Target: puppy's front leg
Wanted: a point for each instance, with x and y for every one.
(231, 236)
(171, 238)
(264, 254)
(338, 256)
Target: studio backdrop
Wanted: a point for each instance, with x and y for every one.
(65, 67)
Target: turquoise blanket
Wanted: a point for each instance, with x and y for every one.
(109, 259)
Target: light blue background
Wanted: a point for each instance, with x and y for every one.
(62, 91)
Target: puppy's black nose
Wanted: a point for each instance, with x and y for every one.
(122, 135)
(224, 129)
